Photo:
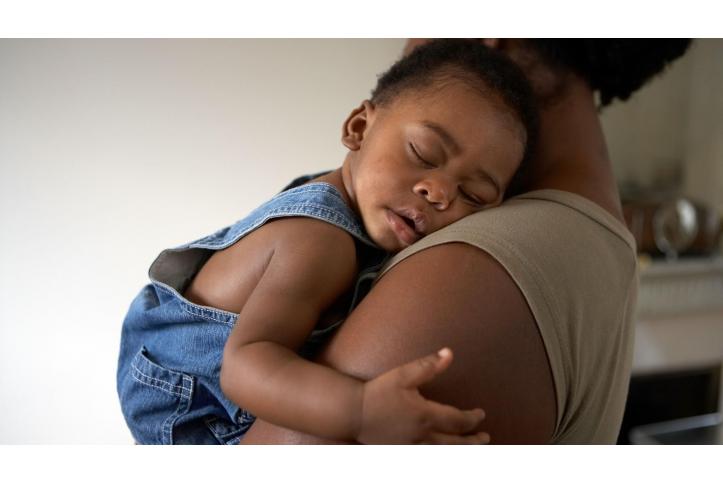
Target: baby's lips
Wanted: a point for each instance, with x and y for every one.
(420, 225)
(418, 218)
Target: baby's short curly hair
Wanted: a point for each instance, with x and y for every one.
(487, 71)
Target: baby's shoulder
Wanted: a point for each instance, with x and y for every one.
(310, 237)
(309, 255)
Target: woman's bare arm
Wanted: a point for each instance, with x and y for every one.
(458, 296)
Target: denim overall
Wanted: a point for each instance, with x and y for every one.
(171, 349)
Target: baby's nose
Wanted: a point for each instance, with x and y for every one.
(435, 193)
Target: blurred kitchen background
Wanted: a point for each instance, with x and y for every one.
(111, 150)
(667, 148)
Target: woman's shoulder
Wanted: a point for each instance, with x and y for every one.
(553, 204)
(574, 265)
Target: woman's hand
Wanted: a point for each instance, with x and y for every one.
(393, 410)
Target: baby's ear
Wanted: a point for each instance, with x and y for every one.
(356, 125)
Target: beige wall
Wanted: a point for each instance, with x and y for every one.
(646, 135)
(704, 133)
(111, 150)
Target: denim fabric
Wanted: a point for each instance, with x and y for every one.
(171, 349)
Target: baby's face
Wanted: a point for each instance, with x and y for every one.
(430, 158)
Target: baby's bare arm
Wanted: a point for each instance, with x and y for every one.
(312, 264)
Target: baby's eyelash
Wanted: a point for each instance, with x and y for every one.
(471, 198)
(421, 159)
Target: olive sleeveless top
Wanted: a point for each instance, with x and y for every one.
(576, 266)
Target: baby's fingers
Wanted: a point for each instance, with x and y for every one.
(451, 420)
(446, 439)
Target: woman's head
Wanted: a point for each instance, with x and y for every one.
(442, 136)
(615, 68)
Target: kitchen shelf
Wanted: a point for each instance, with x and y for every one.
(680, 287)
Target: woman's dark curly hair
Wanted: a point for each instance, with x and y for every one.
(614, 67)
(494, 75)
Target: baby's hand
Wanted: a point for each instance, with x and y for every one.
(393, 410)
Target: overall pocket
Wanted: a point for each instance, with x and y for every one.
(153, 398)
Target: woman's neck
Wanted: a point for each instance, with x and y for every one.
(571, 154)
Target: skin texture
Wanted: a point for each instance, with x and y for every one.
(284, 278)
(458, 296)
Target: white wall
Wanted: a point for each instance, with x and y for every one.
(111, 150)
